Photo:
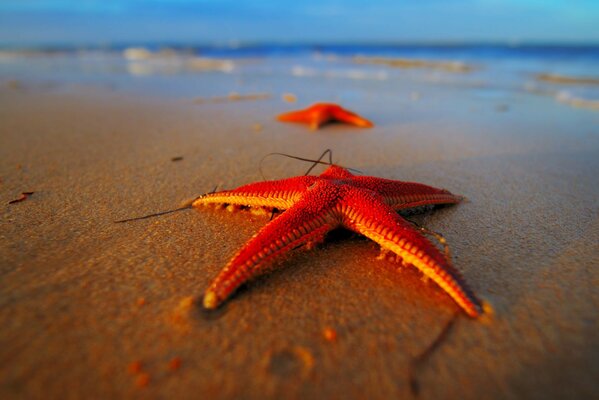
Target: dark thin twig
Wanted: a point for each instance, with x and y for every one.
(315, 162)
(152, 215)
(163, 212)
(420, 359)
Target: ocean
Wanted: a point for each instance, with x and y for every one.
(566, 73)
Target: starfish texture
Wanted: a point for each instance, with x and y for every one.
(317, 204)
(321, 113)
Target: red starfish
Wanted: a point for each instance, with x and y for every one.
(321, 113)
(317, 204)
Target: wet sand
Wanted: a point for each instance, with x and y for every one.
(410, 63)
(93, 309)
(566, 80)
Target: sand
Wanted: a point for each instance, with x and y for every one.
(410, 63)
(94, 309)
(566, 80)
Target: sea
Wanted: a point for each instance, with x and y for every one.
(568, 73)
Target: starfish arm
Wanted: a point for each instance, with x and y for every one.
(343, 115)
(312, 116)
(402, 195)
(280, 194)
(364, 212)
(294, 116)
(306, 222)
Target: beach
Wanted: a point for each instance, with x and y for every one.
(95, 309)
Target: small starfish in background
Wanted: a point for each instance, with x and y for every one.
(321, 113)
(336, 198)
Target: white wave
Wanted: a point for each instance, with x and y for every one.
(563, 96)
(356, 74)
(141, 61)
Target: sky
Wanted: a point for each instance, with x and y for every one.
(94, 22)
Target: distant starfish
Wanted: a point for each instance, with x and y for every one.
(336, 198)
(321, 113)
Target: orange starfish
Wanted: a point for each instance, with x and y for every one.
(336, 198)
(321, 113)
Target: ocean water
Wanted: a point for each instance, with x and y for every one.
(566, 73)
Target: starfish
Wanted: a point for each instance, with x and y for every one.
(314, 205)
(321, 113)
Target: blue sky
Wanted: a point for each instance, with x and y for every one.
(109, 21)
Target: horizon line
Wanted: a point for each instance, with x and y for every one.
(233, 44)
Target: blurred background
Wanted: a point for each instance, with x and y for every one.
(195, 48)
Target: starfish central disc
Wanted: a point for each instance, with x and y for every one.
(314, 205)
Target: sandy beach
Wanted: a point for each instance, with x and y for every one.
(94, 309)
